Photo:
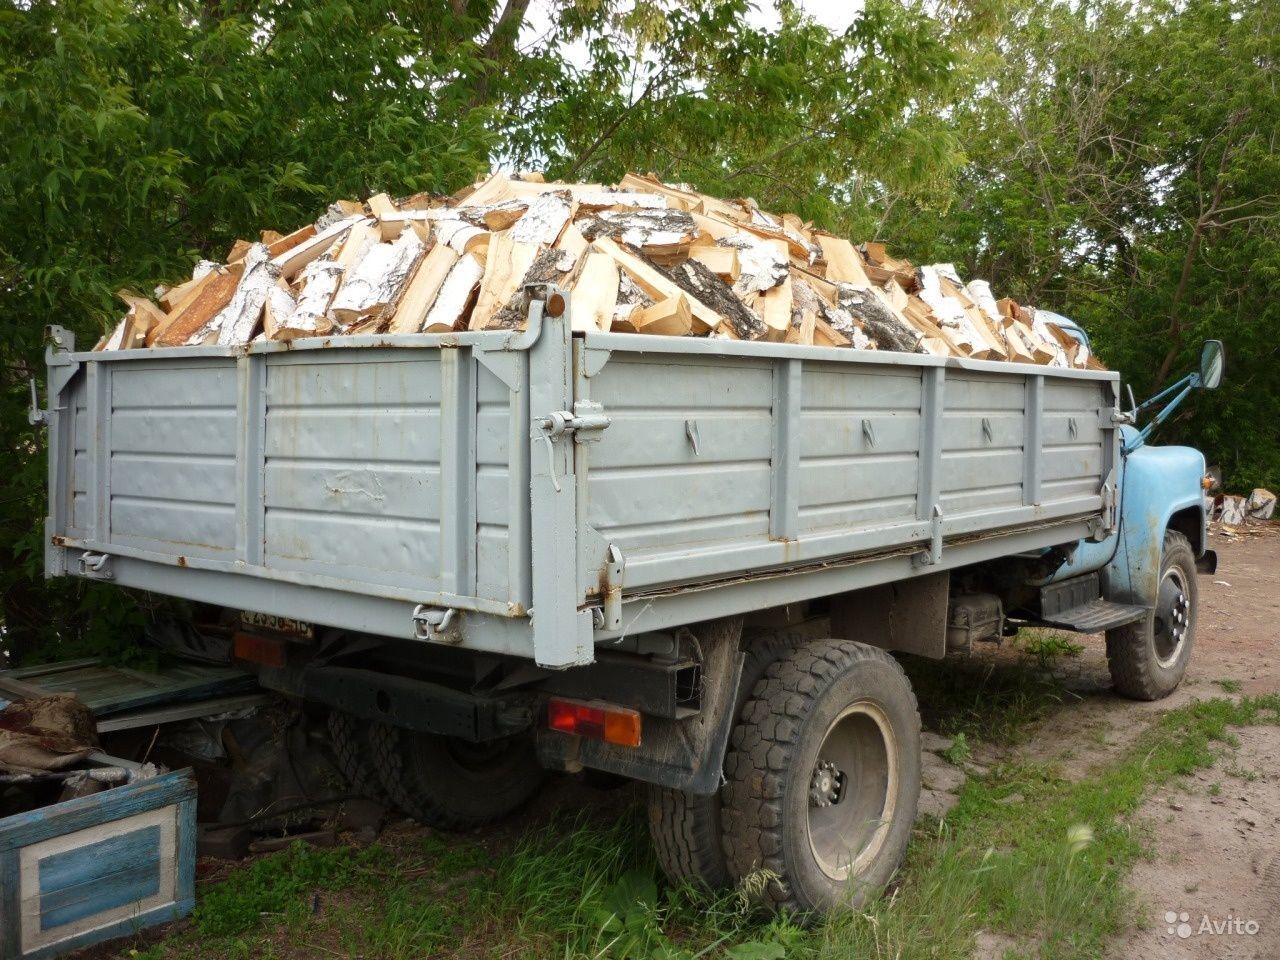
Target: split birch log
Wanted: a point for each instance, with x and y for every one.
(310, 316)
(359, 240)
(595, 293)
(283, 244)
(631, 298)
(293, 260)
(705, 288)
(762, 264)
(951, 316)
(201, 305)
(237, 322)
(377, 279)
(826, 335)
(774, 307)
(545, 220)
(889, 329)
(806, 306)
(146, 316)
(656, 284)
(671, 317)
(456, 295)
(606, 200)
(844, 265)
(656, 233)
(279, 307)
(507, 263)
(462, 236)
(722, 261)
(423, 288)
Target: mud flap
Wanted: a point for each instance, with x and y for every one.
(683, 754)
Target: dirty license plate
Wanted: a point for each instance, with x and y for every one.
(268, 621)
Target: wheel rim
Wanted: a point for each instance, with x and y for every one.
(852, 791)
(1172, 619)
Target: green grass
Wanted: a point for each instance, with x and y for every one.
(1025, 854)
(1047, 647)
(984, 701)
(1229, 686)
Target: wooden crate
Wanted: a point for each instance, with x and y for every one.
(97, 867)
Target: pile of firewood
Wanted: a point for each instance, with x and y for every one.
(638, 257)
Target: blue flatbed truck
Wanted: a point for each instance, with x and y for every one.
(682, 561)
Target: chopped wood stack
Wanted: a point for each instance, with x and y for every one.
(638, 257)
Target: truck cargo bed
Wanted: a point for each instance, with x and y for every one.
(553, 489)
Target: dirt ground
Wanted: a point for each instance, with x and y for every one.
(1216, 865)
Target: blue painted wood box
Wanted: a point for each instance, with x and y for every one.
(97, 867)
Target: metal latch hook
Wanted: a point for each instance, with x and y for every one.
(431, 623)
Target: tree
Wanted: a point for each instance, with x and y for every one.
(1121, 168)
(137, 136)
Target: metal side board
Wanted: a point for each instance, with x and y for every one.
(541, 491)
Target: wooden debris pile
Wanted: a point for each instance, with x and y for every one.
(638, 257)
(1233, 511)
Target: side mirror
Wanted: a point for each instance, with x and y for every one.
(1212, 364)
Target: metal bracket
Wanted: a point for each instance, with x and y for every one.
(614, 569)
(96, 566)
(36, 416)
(433, 624)
(934, 554)
(1103, 525)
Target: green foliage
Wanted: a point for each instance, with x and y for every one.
(1121, 169)
(136, 137)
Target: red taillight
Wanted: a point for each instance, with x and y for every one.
(267, 651)
(599, 721)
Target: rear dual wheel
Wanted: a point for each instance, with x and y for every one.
(451, 783)
(440, 781)
(822, 783)
(823, 778)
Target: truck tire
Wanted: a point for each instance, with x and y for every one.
(686, 827)
(823, 778)
(1148, 659)
(349, 737)
(451, 783)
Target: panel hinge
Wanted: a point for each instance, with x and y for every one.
(934, 554)
(608, 616)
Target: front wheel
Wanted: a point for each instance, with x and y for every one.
(823, 777)
(1148, 659)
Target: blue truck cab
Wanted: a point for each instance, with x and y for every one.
(1146, 566)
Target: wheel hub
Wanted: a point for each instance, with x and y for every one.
(1173, 618)
(826, 785)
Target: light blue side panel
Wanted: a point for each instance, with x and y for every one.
(99, 877)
